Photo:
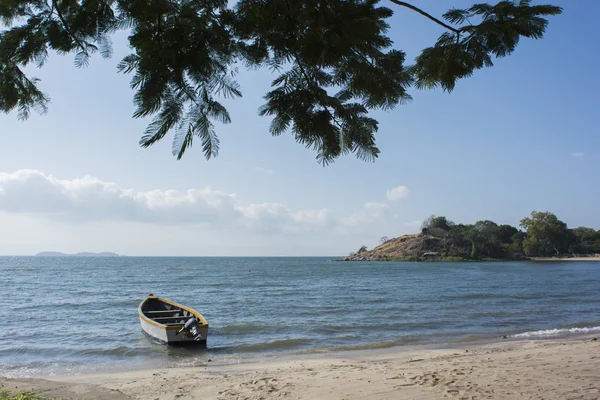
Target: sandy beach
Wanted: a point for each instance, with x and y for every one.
(553, 369)
(569, 259)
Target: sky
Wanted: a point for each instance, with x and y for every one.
(517, 137)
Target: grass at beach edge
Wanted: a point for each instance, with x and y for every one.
(8, 395)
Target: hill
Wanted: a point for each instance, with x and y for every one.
(408, 247)
(543, 235)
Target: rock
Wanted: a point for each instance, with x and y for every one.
(401, 247)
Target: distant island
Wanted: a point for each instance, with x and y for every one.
(543, 238)
(84, 254)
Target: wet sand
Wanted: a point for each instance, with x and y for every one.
(552, 369)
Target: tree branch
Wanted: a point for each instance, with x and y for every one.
(312, 83)
(309, 80)
(333, 15)
(431, 17)
(79, 43)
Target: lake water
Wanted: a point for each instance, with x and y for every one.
(78, 315)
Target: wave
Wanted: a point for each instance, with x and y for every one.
(54, 352)
(241, 329)
(116, 351)
(556, 332)
(275, 345)
(365, 346)
(220, 284)
(470, 296)
(369, 346)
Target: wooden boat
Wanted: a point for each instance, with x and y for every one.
(171, 322)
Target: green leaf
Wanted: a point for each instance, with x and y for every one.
(82, 59)
(334, 60)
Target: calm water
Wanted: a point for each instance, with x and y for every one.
(76, 315)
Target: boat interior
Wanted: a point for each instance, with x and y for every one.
(165, 313)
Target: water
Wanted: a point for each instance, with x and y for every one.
(78, 315)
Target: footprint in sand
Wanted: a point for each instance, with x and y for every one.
(255, 389)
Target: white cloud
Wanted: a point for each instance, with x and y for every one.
(397, 193)
(91, 199)
(278, 218)
(265, 210)
(377, 210)
(265, 171)
(359, 220)
(577, 154)
(88, 198)
(89, 214)
(321, 217)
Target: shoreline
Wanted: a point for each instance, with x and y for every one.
(467, 260)
(555, 368)
(216, 357)
(591, 258)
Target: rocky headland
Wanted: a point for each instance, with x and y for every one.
(416, 247)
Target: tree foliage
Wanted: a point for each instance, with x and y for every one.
(546, 234)
(334, 61)
(584, 241)
(543, 235)
(437, 222)
(483, 239)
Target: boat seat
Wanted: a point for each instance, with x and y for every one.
(186, 317)
(162, 311)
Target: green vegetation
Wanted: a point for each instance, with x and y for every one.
(543, 235)
(7, 395)
(333, 60)
(546, 235)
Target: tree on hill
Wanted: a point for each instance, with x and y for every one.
(546, 234)
(484, 240)
(435, 222)
(515, 248)
(481, 240)
(334, 61)
(505, 233)
(584, 241)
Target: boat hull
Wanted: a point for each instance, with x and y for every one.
(169, 336)
(169, 333)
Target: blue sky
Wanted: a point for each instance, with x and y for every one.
(517, 137)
